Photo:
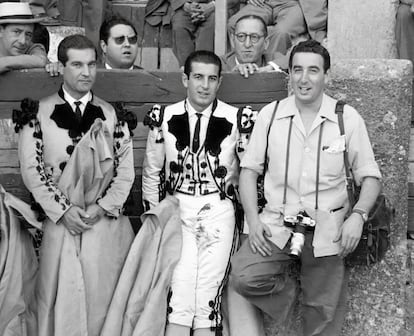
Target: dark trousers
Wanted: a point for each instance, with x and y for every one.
(271, 285)
(88, 14)
(188, 37)
(50, 7)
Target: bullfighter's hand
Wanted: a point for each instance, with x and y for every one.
(95, 213)
(73, 220)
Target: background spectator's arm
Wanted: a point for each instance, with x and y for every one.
(36, 58)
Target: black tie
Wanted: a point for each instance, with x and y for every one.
(78, 112)
(196, 138)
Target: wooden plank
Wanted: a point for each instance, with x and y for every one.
(220, 34)
(147, 58)
(146, 87)
(168, 60)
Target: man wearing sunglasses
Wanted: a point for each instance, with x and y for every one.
(119, 43)
(250, 42)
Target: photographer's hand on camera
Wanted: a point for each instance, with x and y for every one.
(257, 237)
(349, 234)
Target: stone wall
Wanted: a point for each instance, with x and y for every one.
(381, 91)
(362, 28)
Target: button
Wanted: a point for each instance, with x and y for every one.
(69, 149)
(302, 199)
(307, 150)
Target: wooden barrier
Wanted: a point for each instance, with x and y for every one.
(138, 89)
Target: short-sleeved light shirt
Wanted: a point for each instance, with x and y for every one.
(302, 168)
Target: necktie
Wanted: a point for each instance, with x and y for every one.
(196, 137)
(78, 112)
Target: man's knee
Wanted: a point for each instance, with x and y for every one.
(180, 20)
(250, 284)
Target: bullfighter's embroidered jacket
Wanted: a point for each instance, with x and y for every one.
(48, 133)
(171, 166)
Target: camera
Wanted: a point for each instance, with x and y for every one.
(299, 224)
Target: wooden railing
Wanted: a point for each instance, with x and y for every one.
(138, 89)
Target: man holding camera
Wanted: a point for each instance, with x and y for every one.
(304, 186)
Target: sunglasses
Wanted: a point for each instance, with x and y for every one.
(121, 39)
(254, 38)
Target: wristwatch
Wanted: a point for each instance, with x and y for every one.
(363, 214)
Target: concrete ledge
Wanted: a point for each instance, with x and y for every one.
(379, 296)
(362, 28)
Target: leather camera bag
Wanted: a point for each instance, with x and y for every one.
(375, 238)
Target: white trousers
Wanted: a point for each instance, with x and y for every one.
(208, 230)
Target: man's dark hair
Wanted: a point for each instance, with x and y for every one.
(201, 56)
(252, 17)
(106, 26)
(311, 46)
(76, 41)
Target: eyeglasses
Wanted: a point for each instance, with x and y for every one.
(254, 38)
(121, 39)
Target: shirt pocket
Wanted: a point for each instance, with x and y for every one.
(332, 163)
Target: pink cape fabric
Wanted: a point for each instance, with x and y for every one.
(139, 305)
(78, 274)
(18, 266)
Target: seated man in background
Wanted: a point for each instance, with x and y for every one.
(250, 42)
(47, 9)
(119, 43)
(292, 17)
(404, 30)
(17, 51)
(192, 23)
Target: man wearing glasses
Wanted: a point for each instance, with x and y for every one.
(250, 42)
(119, 43)
(294, 17)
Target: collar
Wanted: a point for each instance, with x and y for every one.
(192, 111)
(107, 66)
(84, 100)
(262, 59)
(326, 111)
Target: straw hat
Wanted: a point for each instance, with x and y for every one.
(17, 12)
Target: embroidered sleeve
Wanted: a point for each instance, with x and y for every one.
(246, 118)
(30, 151)
(125, 115)
(112, 201)
(153, 181)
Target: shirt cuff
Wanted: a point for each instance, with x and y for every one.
(275, 66)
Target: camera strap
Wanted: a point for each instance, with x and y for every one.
(288, 156)
(266, 160)
(339, 110)
(318, 160)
